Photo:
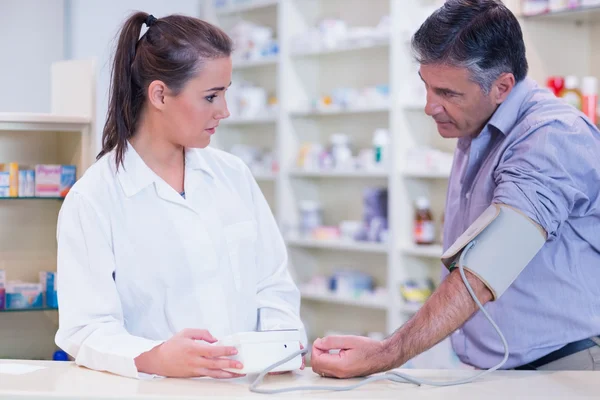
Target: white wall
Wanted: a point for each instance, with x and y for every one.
(31, 39)
(92, 27)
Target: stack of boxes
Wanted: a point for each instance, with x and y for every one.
(44, 180)
(17, 295)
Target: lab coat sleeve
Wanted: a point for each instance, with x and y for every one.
(545, 175)
(277, 294)
(91, 327)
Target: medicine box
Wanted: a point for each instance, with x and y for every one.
(21, 295)
(54, 180)
(67, 179)
(47, 180)
(48, 281)
(4, 183)
(2, 289)
(26, 183)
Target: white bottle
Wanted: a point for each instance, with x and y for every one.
(381, 140)
(341, 152)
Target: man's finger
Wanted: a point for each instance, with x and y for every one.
(335, 342)
(326, 362)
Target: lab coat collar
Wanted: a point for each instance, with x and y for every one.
(196, 159)
(134, 175)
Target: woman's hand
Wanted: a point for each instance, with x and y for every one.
(301, 367)
(183, 357)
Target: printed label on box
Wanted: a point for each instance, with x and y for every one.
(23, 295)
(47, 180)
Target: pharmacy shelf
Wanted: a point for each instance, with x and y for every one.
(337, 244)
(365, 301)
(381, 44)
(261, 62)
(300, 173)
(262, 120)
(32, 198)
(265, 176)
(428, 251)
(64, 136)
(340, 111)
(414, 105)
(426, 174)
(20, 310)
(248, 5)
(34, 122)
(409, 308)
(589, 14)
(303, 74)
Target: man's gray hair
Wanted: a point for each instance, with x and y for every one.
(481, 35)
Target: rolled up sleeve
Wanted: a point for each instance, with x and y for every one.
(544, 174)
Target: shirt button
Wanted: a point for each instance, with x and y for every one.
(467, 196)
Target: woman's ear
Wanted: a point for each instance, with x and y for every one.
(156, 94)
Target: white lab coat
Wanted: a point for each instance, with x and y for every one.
(138, 263)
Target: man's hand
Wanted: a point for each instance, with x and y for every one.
(358, 356)
(448, 308)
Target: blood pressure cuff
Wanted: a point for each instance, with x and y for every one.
(505, 242)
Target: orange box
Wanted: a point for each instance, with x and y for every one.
(13, 185)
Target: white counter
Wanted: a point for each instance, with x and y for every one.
(60, 380)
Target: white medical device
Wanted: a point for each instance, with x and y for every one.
(495, 248)
(259, 350)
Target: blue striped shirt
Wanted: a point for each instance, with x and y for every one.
(541, 156)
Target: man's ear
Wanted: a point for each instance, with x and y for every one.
(157, 91)
(502, 87)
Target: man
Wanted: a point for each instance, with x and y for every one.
(519, 148)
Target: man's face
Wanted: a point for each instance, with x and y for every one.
(457, 104)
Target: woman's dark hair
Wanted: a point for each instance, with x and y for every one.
(481, 35)
(172, 50)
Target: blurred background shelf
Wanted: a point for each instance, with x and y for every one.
(300, 173)
(337, 244)
(31, 198)
(363, 302)
(590, 14)
(233, 121)
(426, 174)
(248, 5)
(22, 310)
(261, 62)
(429, 251)
(340, 111)
(382, 44)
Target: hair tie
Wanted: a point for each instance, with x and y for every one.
(150, 20)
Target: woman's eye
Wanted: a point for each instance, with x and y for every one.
(211, 98)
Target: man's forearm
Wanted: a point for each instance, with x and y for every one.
(448, 308)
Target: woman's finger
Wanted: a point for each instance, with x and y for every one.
(217, 373)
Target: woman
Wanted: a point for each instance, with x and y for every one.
(165, 242)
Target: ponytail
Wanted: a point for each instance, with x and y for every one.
(172, 50)
(125, 97)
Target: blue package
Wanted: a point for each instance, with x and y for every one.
(24, 295)
(68, 175)
(48, 281)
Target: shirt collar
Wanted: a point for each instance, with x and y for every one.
(507, 115)
(134, 175)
